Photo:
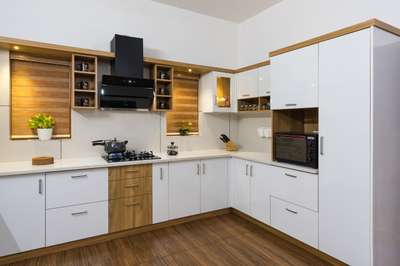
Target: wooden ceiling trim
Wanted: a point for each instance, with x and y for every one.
(335, 34)
(251, 67)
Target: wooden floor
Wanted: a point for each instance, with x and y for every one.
(221, 240)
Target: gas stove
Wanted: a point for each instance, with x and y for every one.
(130, 156)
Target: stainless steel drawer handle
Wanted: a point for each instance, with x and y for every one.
(247, 169)
(245, 95)
(79, 213)
(161, 174)
(291, 211)
(132, 186)
(291, 104)
(251, 170)
(198, 169)
(40, 186)
(321, 145)
(79, 176)
(289, 175)
(132, 204)
(204, 168)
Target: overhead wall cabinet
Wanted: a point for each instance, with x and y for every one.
(217, 93)
(294, 79)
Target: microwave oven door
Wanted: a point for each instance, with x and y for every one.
(291, 149)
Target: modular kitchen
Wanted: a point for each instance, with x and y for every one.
(167, 133)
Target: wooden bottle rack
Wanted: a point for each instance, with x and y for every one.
(84, 82)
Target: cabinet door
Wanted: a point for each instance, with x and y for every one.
(214, 185)
(294, 79)
(216, 93)
(184, 189)
(22, 213)
(344, 163)
(160, 193)
(248, 84)
(240, 185)
(261, 178)
(264, 82)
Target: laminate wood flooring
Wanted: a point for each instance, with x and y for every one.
(221, 240)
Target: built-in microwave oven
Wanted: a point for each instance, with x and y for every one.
(294, 148)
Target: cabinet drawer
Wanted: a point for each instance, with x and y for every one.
(295, 221)
(129, 187)
(297, 187)
(129, 213)
(76, 187)
(76, 222)
(132, 171)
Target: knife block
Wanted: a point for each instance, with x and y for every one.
(231, 146)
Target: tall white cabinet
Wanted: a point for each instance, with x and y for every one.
(359, 125)
(22, 213)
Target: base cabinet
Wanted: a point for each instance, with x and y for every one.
(261, 178)
(22, 213)
(160, 193)
(240, 185)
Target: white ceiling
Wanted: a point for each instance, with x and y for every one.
(232, 10)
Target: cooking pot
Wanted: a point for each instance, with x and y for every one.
(111, 146)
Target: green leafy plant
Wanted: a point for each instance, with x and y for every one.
(185, 128)
(41, 121)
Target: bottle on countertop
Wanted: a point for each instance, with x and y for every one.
(172, 149)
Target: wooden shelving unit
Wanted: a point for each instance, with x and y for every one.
(84, 82)
(163, 84)
(254, 105)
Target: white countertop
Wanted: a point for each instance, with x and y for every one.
(26, 167)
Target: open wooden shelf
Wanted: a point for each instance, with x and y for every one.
(84, 82)
(254, 105)
(163, 84)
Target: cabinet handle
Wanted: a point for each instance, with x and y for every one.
(132, 204)
(251, 170)
(79, 176)
(204, 168)
(268, 92)
(132, 171)
(289, 175)
(79, 213)
(161, 173)
(291, 211)
(321, 146)
(247, 169)
(40, 186)
(290, 104)
(132, 186)
(198, 169)
(245, 95)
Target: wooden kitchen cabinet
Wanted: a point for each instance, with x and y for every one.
(214, 184)
(160, 193)
(22, 213)
(184, 189)
(294, 79)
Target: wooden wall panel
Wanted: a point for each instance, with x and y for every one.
(185, 104)
(39, 87)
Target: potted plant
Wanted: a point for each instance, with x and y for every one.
(185, 128)
(44, 125)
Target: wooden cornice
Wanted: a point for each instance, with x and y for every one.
(357, 27)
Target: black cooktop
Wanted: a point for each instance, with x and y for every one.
(130, 156)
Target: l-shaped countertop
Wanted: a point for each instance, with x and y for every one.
(26, 167)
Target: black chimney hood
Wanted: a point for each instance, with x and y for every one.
(125, 87)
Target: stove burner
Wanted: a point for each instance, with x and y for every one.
(130, 156)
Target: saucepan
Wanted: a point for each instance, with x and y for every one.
(111, 146)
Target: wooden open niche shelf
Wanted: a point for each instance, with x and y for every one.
(84, 81)
(163, 83)
(254, 105)
(294, 121)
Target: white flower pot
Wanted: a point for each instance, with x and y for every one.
(45, 133)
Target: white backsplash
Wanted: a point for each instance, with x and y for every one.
(247, 133)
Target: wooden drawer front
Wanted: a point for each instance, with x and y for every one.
(295, 221)
(297, 187)
(76, 187)
(76, 222)
(132, 171)
(129, 213)
(129, 187)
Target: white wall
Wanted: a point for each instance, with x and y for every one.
(168, 32)
(292, 21)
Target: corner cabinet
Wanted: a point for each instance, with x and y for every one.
(217, 93)
(22, 213)
(294, 79)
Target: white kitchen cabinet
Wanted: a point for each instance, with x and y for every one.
(214, 184)
(247, 84)
(160, 192)
(294, 79)
(22, 213)
(261, 178)
(184, 189)
(240, 185)
(76, 222)
(76, 187)
(217, 93)
(344, 163)
(295, 221)
(264, 81)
